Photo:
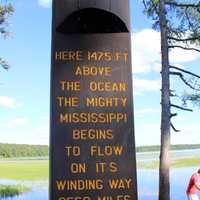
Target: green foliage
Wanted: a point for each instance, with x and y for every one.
(6, 10)
(183, 31)
(152, 11)
(4, 64)
(11, 190)
(16, 150)
(193, 98)
(183, 19)
(21, 150)
(24, 169)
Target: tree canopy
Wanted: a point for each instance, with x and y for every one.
(6, 10)
(22, 150)
(182, 16)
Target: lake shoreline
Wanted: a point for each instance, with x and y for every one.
(32, 170)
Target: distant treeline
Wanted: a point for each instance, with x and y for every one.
(23, 150)
(173, 147)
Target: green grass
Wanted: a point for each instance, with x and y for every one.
(39, 169)
(188, 162)
(147, 165)
(24, 169)
(12, 190)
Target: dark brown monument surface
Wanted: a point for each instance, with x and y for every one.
(92, 129)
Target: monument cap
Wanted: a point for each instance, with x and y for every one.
(92, 16)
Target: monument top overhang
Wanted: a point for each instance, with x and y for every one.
(91, 16)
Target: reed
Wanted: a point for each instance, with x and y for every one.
(12, 190)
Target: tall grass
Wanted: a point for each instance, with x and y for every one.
(12, 190)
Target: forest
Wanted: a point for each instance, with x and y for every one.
(23, 150)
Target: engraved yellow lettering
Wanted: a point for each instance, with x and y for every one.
(75, 198)
(70, 85)
(106, 150)
(120, 183)
(90, 70)
(67, 101)
(113, 167)
(105, 198)
(92, 134)
(60, 185)
(107, 86)
(78, 168)
(73, 150)
(69, 55)
(102, 167)
(123, 197)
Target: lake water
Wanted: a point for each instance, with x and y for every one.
(147, 185)
(39, 190)
(154, 155)
(147, 179)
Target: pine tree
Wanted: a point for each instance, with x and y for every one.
(178, 23)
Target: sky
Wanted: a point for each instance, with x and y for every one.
(25, 87)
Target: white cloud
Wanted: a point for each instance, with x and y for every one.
(144, 111)
(138, 93)
(45, 3)
(147, 130)
(189, 134)
(7, 102)
(178, 55)
(19, 122)
(146, 53)
(14, 123)
(42, 130)
(20, 131)
(182, 56)
(42, 134)
(45, 118)
(146, 85)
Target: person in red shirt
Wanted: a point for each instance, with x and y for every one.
(193, 186)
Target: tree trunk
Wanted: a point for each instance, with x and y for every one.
(164, 186)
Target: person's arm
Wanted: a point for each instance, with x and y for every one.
(197, 185)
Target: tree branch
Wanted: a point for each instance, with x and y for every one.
(174, 128)
(184, 39)
(173, 115)
(188, 19)
(172, 93)
(185, 71)
(184, 81)
(181, 108)
(186, 5)
(185, 48)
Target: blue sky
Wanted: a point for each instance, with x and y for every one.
(24, 89)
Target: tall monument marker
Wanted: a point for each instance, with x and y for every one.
(92, 147)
